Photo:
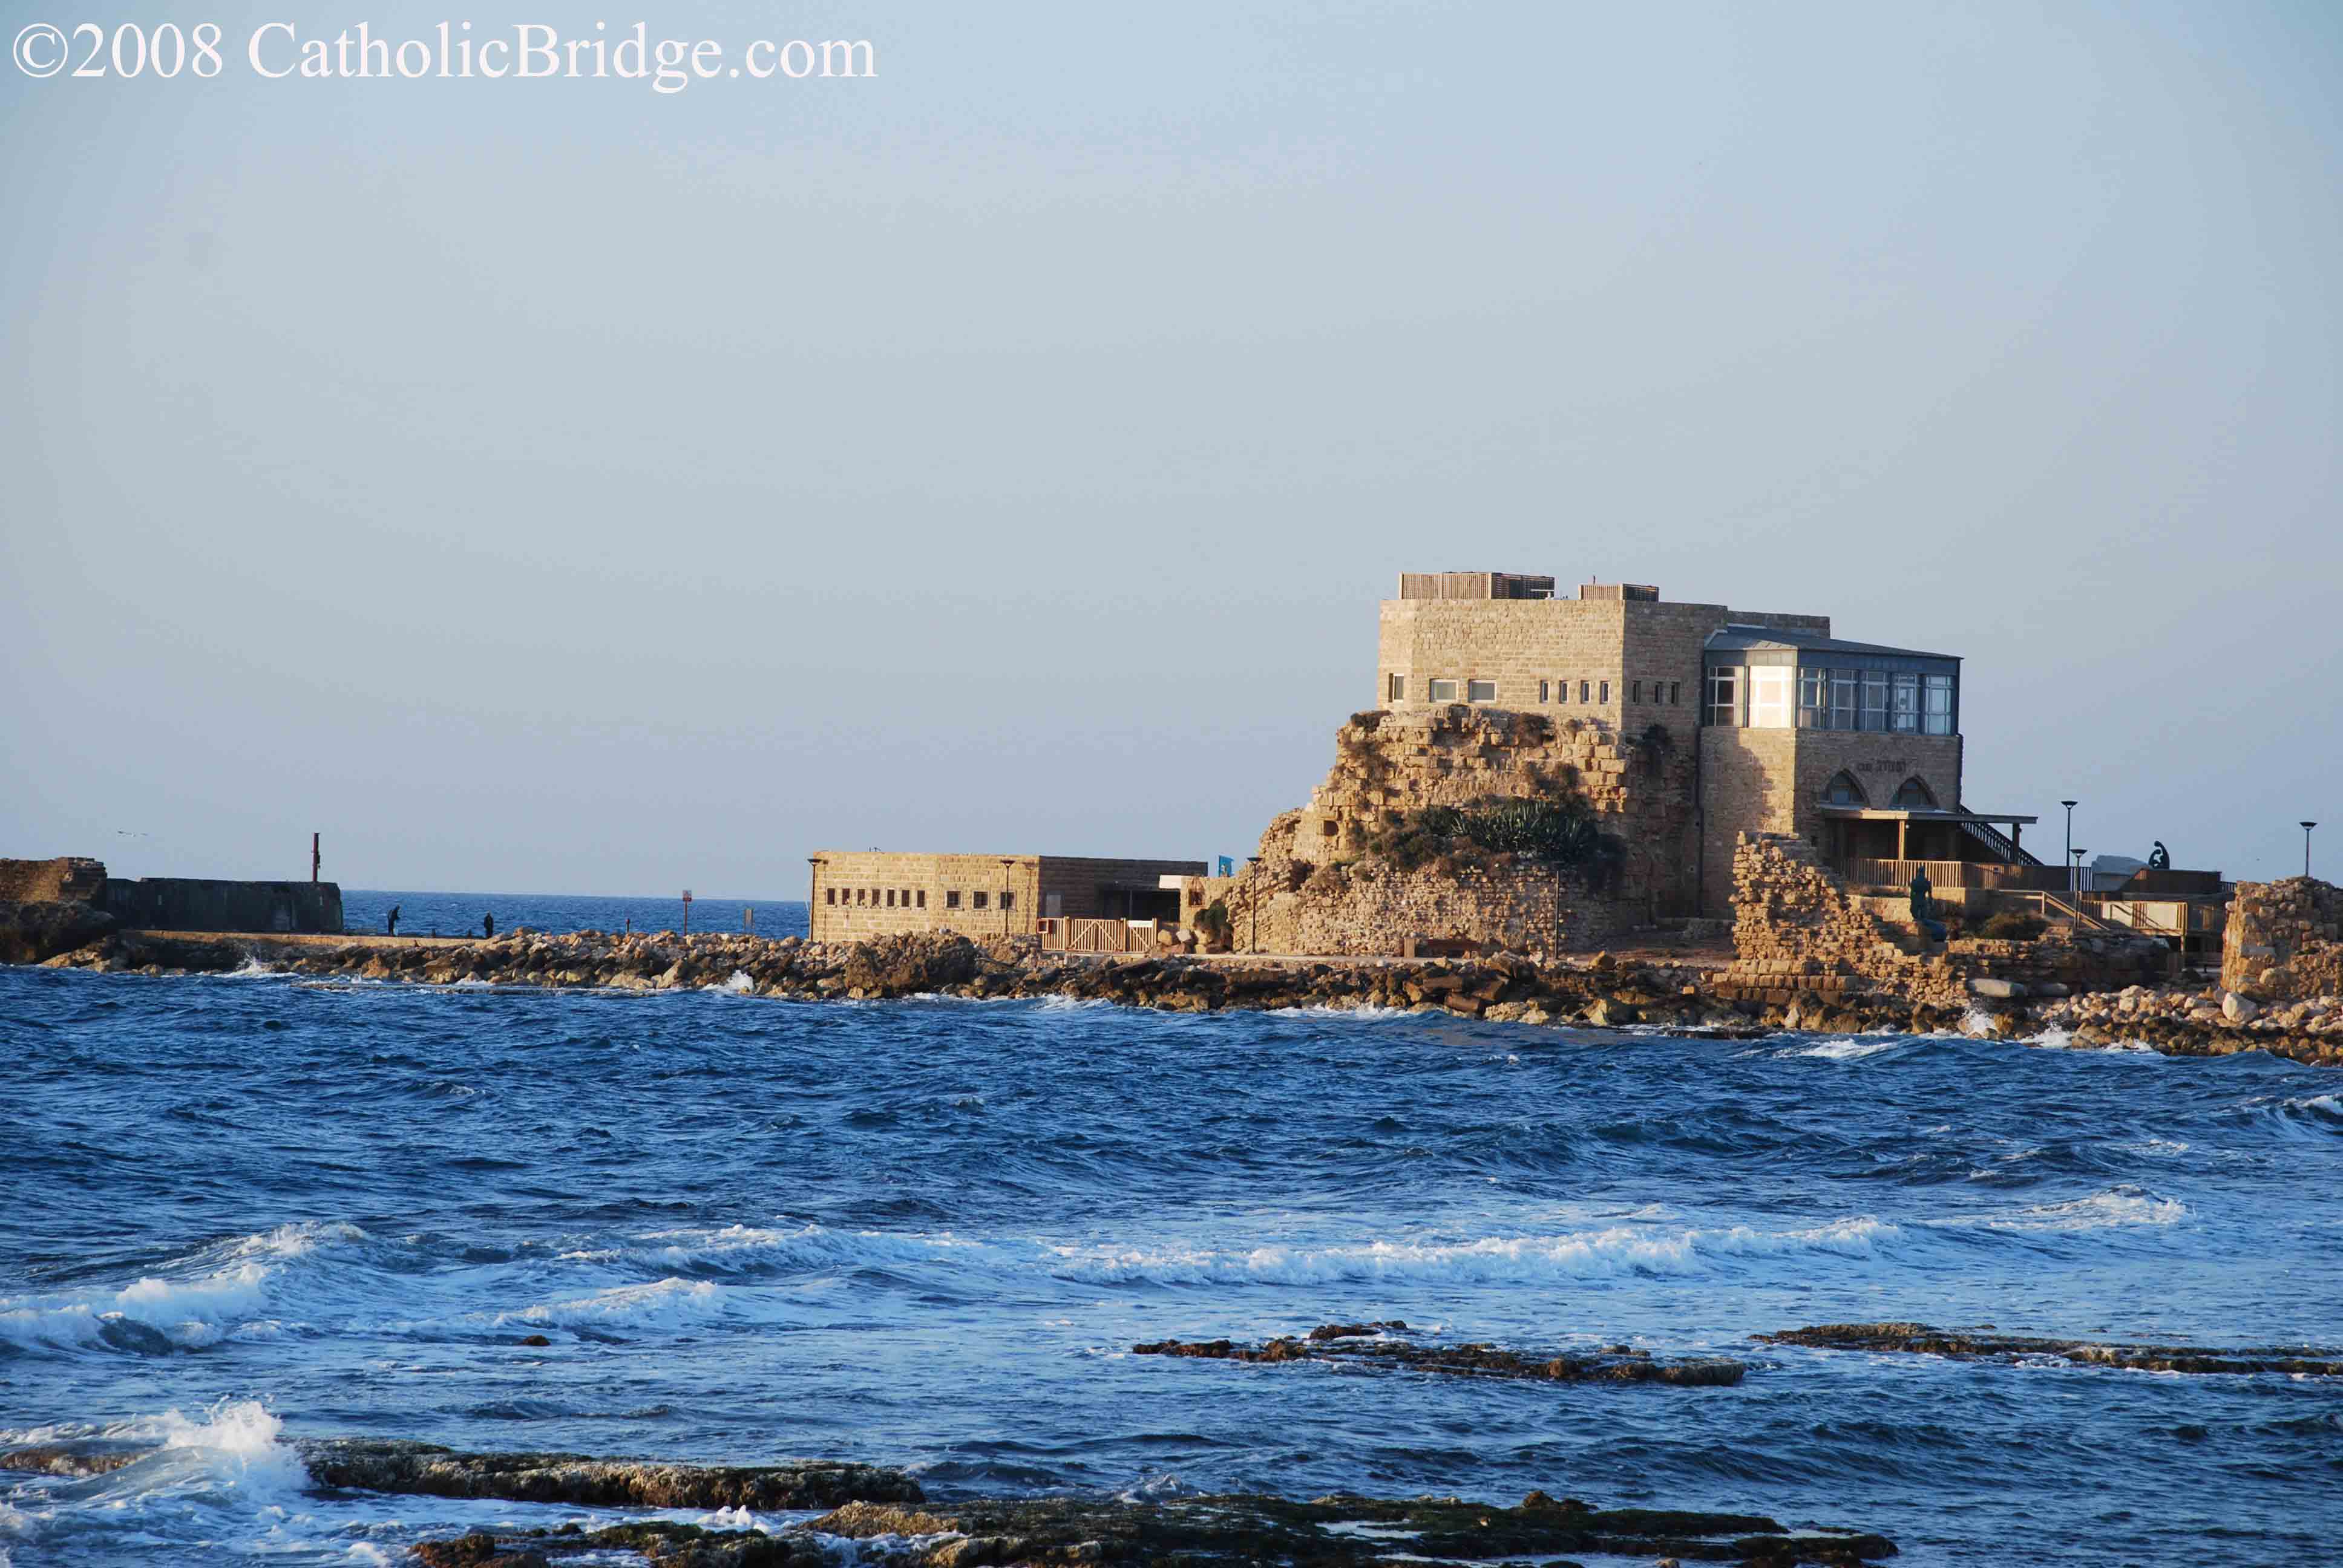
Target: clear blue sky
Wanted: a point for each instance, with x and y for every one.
(558, 485)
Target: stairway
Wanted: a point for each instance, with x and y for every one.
(2002, 846)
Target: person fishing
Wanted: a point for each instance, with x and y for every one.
(391, 921)
(488, 925)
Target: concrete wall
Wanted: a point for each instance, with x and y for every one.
(858, 894)
(190, 904)
(68, 878)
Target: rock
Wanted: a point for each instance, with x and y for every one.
(2238, 1009)
(2003, 989)
(912, 964)
(1618, 1364)
(1610, 1013)
(428, 1470)
(32, 933)
(1920, 1339)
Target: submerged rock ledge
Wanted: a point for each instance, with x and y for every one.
(1683, 996)
(384, 1466)
(1336, 1531)
(1369, 1344)
(1921, 1340)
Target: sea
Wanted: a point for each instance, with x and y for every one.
(242, 1209)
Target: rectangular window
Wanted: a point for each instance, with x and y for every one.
(1842, 684)
(1814, 700)
(1937, 705)
(1441, 691)
(906, 902)
(981, 897)
(1724, 694)
(1769, 696)
(1606, 688)
(1007, 900)
(1638, 693)
(1875, 700)
(1586, 691)
(1481, 691)
(890, 897)
(1545, 688)
(1675, 694)
(923, 898)
(833, 894)
(1399, 687)
(1904, 714)
(951, 898)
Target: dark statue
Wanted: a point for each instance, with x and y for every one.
(2159, 859)
(1923, 909)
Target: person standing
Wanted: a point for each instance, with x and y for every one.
(391, 921)
(488, 925)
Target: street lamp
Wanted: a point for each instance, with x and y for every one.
(2076, 886)
(2071, 836)
(2307, 827)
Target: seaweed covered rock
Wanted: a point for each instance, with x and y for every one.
(383, 1465)
(1222, 1531)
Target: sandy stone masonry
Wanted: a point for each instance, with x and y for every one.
(2285, 941)
(1797, 929)
(1317, 886)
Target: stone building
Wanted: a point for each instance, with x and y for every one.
(857, 894)
(1775, 726)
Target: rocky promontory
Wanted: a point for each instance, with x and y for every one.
(1664, 993)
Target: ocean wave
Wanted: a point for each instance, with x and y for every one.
(1850, 1050)
(2118, 1207)
(663, 1303)
(220, 1291)
(1613, 1252)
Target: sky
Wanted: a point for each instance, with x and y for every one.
(564, 485)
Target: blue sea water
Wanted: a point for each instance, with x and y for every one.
(927, 1233)
(422, 914)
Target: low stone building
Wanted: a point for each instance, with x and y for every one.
(856, 894)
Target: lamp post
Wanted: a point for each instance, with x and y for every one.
(813, 892)
(2307, 827)
(2071, 836)
(2075, 882)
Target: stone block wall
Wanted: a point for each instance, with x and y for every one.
(1389, 763)
(1796, 928)
(857, 895)
(1772, 782)
(2284, 940)
(67, 879)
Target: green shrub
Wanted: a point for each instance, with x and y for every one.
(2008, 927)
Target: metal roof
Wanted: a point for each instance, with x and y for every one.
(1742, 638)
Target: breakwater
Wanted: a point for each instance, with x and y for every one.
(1600, 992)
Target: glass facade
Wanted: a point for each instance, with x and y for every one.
(1899, 695)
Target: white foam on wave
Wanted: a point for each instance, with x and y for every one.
(1350, 1012)
(663, 1303)
(220, 1291)
(2116, 1208)
(807, 1247)
(1852, 1050)
(1613, 1252)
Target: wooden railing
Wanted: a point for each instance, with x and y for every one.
(1083, 934)
(1995, 875)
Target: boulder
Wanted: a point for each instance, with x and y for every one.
(912, 963)
(2001, 990)
(30, 932)
(2238, 1009)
